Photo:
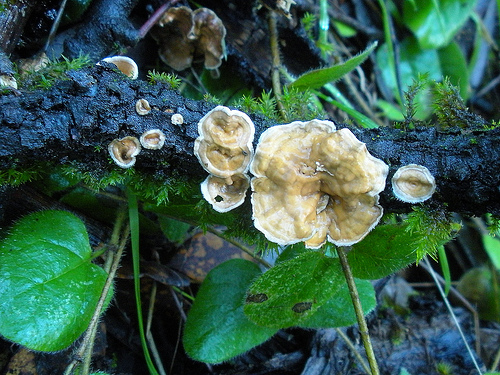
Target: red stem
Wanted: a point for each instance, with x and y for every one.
(155, 17)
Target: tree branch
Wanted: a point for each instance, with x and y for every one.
(76, 119)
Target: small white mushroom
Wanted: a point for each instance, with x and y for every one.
(8, 81)
(142, 107)
(123, 151)
(153, 139)
(125, 64)
(413, 183)
(177, 119)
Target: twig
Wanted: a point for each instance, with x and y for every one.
(353, 349)
(463, 301)
(86, 348)
(453, 316)
(276, 62)
(55, 25)
(149, 335)
(363, 327)
(155, 18)
(496, 361)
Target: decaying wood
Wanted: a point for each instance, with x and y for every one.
(76, 119)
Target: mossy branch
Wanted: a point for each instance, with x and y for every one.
(72, 123)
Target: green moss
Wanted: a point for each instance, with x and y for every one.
(298, 105)
(19, 176)
(450, 109)
(432, 227)
(155, 77)
(55, 70)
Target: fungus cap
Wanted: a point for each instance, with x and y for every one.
(224, 147)
(123, 151)
(142, 107)
(177, 119)
(153, 139)
(314, 183)
(185, 36)
(175, 48)
(8, 81)
(224, 196)
(125, 65)
(209, 33)
(413, 183)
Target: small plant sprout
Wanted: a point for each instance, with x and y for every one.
(153, 139)
(142, 107)
(413, 183)
(314, 183)
(125, 65)
(123, 151)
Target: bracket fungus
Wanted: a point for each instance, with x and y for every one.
(125, 65)
(413, 183)
(123, 151)
(177, 119)
(142, 107)
(224, 149)
(152, 139)
(314, 183)
(185, 37)
(223, 196)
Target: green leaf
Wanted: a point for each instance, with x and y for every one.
(216, 328)
(454, 66)
(319, 77)
(49, 287)
(445, 268)
(492, 247)
(292, 291)
(175, 230)
(338, 310)
(413, 62)
(386, 249)
(435, 22)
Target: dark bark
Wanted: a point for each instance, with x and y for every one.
(12, 22)
(76, 119)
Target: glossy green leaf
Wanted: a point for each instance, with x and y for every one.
(413, 62)
(216, 328)
(386, 249)
(175, 230)
(292, 291)
(319, 77)
(74, 10)
(480, 285)
(338, 310)
(48, 286)
(435, 22)
(492, 247)
(454, 66)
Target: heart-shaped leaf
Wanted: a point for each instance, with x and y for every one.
(293, 290)
(48, 286)
(338, 311)
(216, 328)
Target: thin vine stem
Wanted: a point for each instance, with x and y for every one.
(276, 63)
(358, 309)
(84, 353)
